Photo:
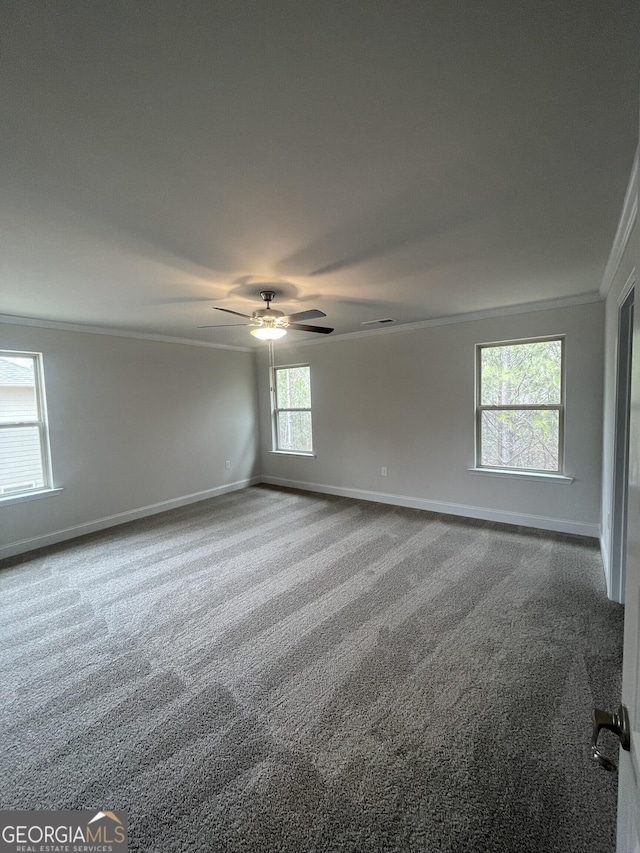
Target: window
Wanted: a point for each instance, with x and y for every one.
(292, 409)
(520, 405)
(24, 445)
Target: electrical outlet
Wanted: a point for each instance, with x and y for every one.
(383, 471)
(227, 464)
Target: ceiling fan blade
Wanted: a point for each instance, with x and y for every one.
(300, 328)
(312, 314)
(229, 311)
(223, 325)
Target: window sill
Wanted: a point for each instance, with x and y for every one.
(292, 453)
(7, 500)
(536, 477)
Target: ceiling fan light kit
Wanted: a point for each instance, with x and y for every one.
(268, 333)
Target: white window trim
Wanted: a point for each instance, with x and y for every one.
(300, 453)
(42, 422)
(23, 497)
(544, 475)
(525, 474)
(275, 411)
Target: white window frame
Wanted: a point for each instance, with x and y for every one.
(41, 421)
(276, 410)
(559, 407)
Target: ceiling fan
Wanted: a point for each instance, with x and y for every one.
(270, 324)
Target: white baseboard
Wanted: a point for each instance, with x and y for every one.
(15, 548)
(504, 516)
(541, 522)
(612, 574)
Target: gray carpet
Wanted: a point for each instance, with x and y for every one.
(279, 671)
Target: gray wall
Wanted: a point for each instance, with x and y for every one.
(140, 425)
(134, 423)
(405, 400)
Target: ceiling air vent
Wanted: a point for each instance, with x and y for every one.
(378, 322)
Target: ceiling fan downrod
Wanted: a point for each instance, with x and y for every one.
(268, 296)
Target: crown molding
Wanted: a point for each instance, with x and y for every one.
(10, 319)
(454, 319)
(625, 226)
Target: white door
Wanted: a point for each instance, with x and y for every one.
(629, 779)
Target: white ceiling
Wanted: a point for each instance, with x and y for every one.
(411, 159)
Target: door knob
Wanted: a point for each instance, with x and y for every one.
(618, 723)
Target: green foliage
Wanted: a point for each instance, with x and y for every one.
(522, 374)
(528, 374)
(293, 388)
(294, 431)
(520, 439)
(293, 391)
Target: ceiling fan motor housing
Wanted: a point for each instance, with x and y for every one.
(268, 316)
(263, 313)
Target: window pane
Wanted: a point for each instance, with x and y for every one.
(521, 374)
(18, 400)
(520, 439)
(293, 388)
(294, 431)
(20, 459)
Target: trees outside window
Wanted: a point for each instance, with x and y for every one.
(292, 409)
(520, 405)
